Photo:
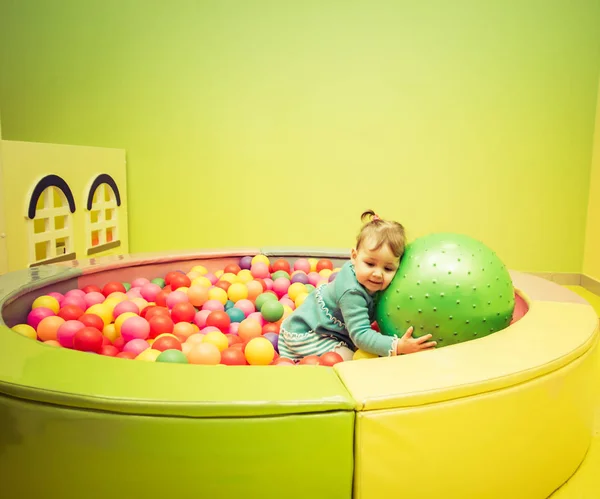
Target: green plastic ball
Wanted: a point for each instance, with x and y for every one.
(127, 286)
(262, 298)
(160, 281)
(450, 286)
(172, 356)
(272, 310)
(280, 273)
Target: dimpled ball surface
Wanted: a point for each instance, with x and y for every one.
(449, 285)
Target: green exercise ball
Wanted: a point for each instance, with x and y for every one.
(449, 285)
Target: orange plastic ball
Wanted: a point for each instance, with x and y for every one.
(48, 327)
(204, 353)
(249, 329)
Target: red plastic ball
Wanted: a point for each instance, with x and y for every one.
(310, 360)
(281, 264)
(92, 289)
(270, 327)
(170, 276)
(324, 264)
(375, 326)
(219, 319)
(223, 285)
(109, 350)
(160, 324)
(232, 268)
(126, 355)
(183, 312)
(282, 361)
(161, 298)
(233, 357)
(70, 312)
(232, 339)
(88, 339)
(166, 343)
(331, 359)
(153, 311)
(180, 281)
(92, 320)
(113, 287)
(119, 342)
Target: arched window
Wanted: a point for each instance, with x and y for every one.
(50, 222)
(102, 221)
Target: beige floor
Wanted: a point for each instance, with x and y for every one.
(585, 483)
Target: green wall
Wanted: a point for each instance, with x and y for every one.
(278, 123)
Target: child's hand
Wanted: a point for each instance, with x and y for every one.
(408, 344)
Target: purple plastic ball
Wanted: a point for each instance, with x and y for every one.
(303, 278)
(245, 262)
(274, 339)
(332, 276)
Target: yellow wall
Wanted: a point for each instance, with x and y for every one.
(591, 261)
(3, 249)
(278, 123)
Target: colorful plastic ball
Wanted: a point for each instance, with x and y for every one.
(180, 281)
(201, 269)
(302, 264)
(245, 306)
(48, 327)
(260, 270)
(125, 306)
(116, 297)
(244, 276)
(361, 355)
(200, 318)
(331, 359)
(37, 315)
(218, 339)
(126, 355)
(135, 328)
(139, 282)
(25, 330)
(87, 339)
(175, 297)
(202, 281)
(150, 290)
(310, 360)
(233, 328)
(274, 339)
(46, 301)
(197, 295)
(281, 264)
(183, 330)
(75, 292)
(76, 300)
(127, 286)
(172, 357)
(271, 327)
(237, 291)
(70, 312)
(232, 268)
(52, 343)
(136, 346)
(109, 350)
(219, 319)
(299, 277)
(233, 357)
(324, 264)
(272, 310)
(159, 281)
(160, 324)
(300, 299)
(236, 314)
(212, 305)
(59, 296)
(264, 259)
(283, 361)
(224, 285)
(280, 286)
(204, 353)
(66, 332)
(113, 286)
(102, 311)
(183, 312)
(286, 302)
(263, 297)
(148, 355)
(140, 302)
(229, 305)
(110, 332)
(91, 288)
(121, 319)
(295, 289)
(257, 316)
(259, 352)
(92, 320)
(245, 262)
(280, 274)
(249, 329)
(166, 343)
(217, 294)
(153, 311)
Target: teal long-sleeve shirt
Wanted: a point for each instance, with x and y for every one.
(342, 309)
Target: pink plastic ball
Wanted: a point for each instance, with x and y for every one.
(139, 282)
(208, 329)
(280, 286)
(37, 315)
(257, 316)
(268, 283)
(75, 292)
(233, 327)
(67, 331)
(59, 296)
(302, 264)
(76, 300)
(149, 291)
(125, 306)
(176, 297)
(313, 278)
(212, 278)
(93, 298)
(287, 302)
(245, 306)
(134, 293)
(213, 305)
(259, 270)
(135, 328)
(136, 346)
(200, 318)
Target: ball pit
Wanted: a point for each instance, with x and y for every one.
(476, 412)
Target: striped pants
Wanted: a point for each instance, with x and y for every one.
(296, 346)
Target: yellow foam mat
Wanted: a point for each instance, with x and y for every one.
(585, 482)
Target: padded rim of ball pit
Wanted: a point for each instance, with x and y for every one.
(552, 334)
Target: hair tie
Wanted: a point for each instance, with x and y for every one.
(375, 218)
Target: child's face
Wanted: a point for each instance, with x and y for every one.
(374, 269)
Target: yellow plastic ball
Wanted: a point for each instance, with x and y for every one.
(237, 291)
(118, 296)
(300, 299)
(121, 319)
(25, 330)
(361, 354)
(47, 302)
(110, 331)
(218, 294)
(229, 277)
(202, 281)
(244, 276)
(140, 302)
(148, 355)
(259, 352)
(218, 339)
(201, 269)
(218, 273)
(261, 258)
(313, 264)
(295, 289)
(325, 273)
(104, 311)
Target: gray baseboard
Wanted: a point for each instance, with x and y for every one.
(571, 279)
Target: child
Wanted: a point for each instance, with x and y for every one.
(337, 316)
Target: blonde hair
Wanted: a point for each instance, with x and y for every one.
(382, 232)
